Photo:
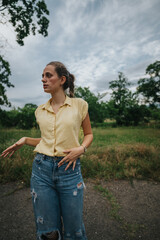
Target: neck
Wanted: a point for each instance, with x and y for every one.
(58, 98)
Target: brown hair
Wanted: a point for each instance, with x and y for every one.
(61, 70)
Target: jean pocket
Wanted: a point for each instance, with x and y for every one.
(38, 158)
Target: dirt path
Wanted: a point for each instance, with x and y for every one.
(125, 212)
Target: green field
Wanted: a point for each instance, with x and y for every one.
(116, 153)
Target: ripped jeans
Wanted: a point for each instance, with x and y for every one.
(57, 197)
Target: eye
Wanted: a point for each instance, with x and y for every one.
(49, 75)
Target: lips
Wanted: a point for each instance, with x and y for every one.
(44, 85)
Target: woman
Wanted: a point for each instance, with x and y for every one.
(56, 180)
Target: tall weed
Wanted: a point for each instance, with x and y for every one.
(121, 153)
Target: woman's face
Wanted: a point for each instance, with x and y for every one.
(51, 82)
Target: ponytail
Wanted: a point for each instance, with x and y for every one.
(71, 80)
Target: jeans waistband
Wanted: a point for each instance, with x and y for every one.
(50, 158)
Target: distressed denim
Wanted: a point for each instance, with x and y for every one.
(57, 197)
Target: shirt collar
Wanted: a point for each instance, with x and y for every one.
(48, 106)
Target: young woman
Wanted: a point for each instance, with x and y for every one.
(56, 180)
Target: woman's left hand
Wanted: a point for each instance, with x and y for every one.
(71, 157)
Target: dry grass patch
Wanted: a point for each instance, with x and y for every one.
(123, 161)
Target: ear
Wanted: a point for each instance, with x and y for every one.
(63, 79)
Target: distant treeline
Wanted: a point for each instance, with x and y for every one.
(124, 111)
(23, 118)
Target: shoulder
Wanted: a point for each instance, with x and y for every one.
(82, 107)
(79, 101)
(39, 108)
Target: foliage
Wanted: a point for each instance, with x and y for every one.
(97, 108)
(5, 72)
(123, 105)
(149, 87)
(155, 113)
(120, 91)
(27, 118)
(26, 17)
(20, 118)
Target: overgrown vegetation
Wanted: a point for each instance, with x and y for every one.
(116, 153)
(123, 153)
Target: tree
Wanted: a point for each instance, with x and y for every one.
(149, 87)
(27, 117)
(97, 108)
(26, 16)
(123, 101)
(5, 72)
(23, 118)
(111, 109)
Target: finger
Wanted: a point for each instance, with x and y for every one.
(68, 165)
(62, 162)
(11, 154)
(74, 164)
(67, 150)
(2, 154)
(5, 155)
(8, 149)
(5, 151)
(65, 159)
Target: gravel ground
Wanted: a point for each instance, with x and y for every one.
(138, 216)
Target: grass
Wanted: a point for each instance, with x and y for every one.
(112, 200)
(116, 153)
(131, 229)
(123, 153)
(19, 166)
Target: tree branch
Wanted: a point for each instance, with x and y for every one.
(2, 9)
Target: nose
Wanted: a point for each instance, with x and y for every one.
(43, 80)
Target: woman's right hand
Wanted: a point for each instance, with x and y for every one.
(11, 150)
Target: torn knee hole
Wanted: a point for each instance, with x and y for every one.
(34, 194)
(40, 220)
(79, 233)
(51, 236)
(79, 185)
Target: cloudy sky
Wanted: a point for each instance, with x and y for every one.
(95, 39)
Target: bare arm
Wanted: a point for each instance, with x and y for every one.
(24, 140)
(88, 136)
(32, 141)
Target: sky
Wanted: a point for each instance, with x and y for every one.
(95, 39)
